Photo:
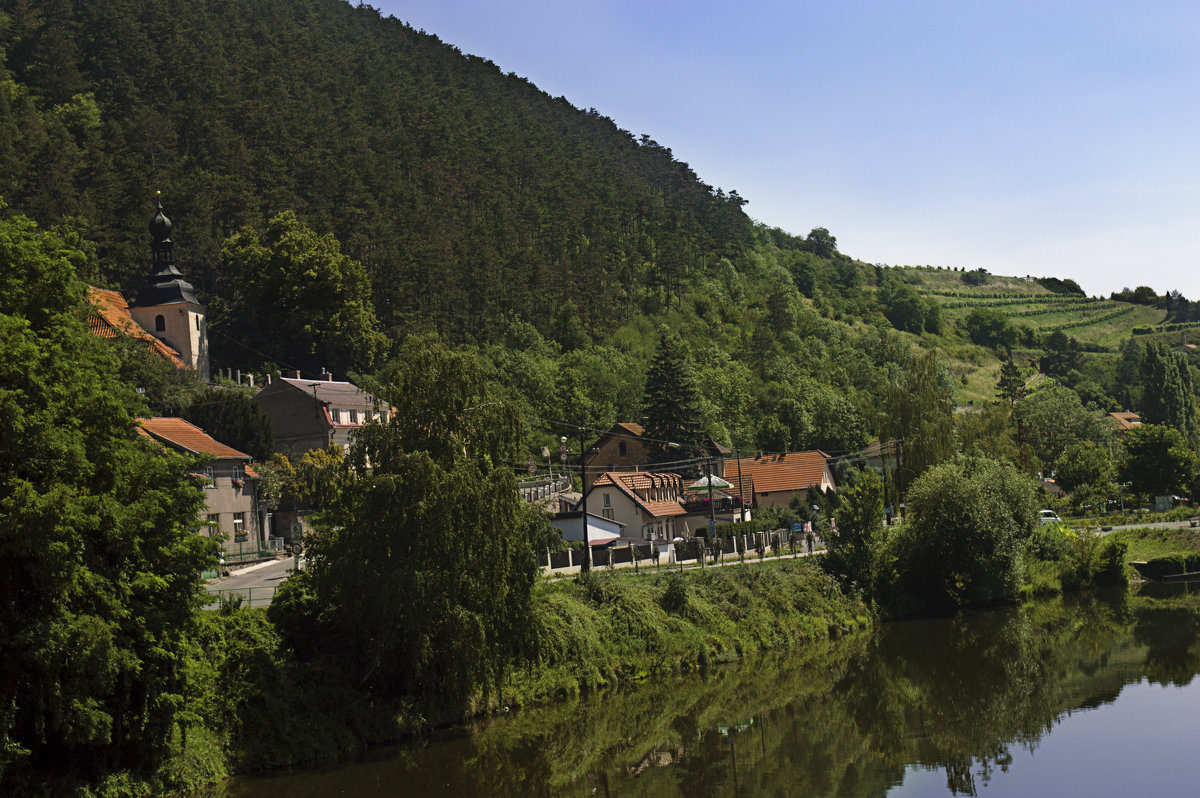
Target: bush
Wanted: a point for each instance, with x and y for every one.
(969, 519)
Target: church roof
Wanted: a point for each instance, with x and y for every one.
(110, 318)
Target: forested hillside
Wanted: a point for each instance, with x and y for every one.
(468, 194)
(340, 181)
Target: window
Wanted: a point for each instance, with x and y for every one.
(607, 512)
(353, 416)
(210, 481)
(197, 322)
(214, 523)
(239, 525)
(160, 323)
(336, 415)
(607, 500)
(621, 449)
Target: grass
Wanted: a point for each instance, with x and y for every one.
(1146, 545)
(614, 626)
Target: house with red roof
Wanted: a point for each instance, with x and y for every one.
(778, 477)
(648, 504)
(661, 506)
(1125, 421)
(232, 510)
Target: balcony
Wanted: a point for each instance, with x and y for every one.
(725, 505)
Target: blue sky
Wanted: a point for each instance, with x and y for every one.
(1034, 138)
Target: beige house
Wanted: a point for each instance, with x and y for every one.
(316, 413)
(232, 509)
(648, 504)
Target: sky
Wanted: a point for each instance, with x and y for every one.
(1045, 138)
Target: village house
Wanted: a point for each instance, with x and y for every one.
(232, 510)
(600, 530)
(623, 448)
(779, 477)
(316, 413)
(662, 506)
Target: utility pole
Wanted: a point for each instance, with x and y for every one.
(587, 549)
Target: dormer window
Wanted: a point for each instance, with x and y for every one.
(353, 416)
(336, 415)
(160, 323)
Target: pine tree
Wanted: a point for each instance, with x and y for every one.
(1011, 385)
(671, 401)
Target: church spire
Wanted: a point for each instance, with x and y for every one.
(165, 285)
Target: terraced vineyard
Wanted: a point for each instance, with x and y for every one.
(1093, 321)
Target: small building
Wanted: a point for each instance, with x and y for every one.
(1125, 421)
(601, 531)
(316, 413)
(623, 448)
(232, 508)
(779, 477)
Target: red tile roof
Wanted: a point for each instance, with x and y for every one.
(630, 482)
(112, 318)
(787, 471)
(188, 437)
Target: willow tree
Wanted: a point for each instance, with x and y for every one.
(918, 414)
(419, 582)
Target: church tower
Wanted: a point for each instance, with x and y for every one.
(165, 305)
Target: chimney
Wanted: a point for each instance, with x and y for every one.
(239, 377)
(251, 378)
(326, 375)
(295, 374)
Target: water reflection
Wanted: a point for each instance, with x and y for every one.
(928, 707)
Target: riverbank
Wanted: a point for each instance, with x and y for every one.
(257, 709)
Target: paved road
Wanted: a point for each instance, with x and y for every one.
(256, 583)
(1154, 525)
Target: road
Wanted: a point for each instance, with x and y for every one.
(256, 583)
(1154, 525)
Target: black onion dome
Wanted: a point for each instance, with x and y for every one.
(160, 225)
(164, 285)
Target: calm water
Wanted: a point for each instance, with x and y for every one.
(1084, 696)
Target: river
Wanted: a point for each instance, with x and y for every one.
(1084, 695)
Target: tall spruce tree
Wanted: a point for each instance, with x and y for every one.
(671, 401)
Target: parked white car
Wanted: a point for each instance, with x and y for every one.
(1048, 517)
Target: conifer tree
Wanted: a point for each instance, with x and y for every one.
(671, 401)
(1011, 385)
